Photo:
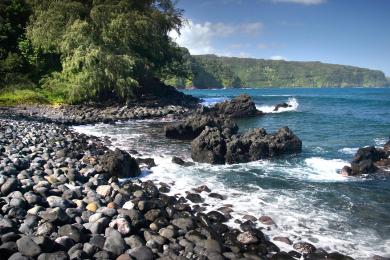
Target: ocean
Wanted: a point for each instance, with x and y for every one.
(304, 194)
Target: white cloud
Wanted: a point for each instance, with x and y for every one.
(198, 37)
(278, 57)
(303, 2)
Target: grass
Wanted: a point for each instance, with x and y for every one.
(13, 97)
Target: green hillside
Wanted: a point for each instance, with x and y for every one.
(211, 71)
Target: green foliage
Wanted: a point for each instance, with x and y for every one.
(13, 18)
(12, 97)
(212, 71)
(106, 47)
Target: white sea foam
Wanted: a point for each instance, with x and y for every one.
(349, 151)
(325, 170)
(292, 102)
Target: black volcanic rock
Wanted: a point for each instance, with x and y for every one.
(364, 159)
(120, 164)
(209, 147)
(195, 124)
(281, 105)
(213, 146)
(239, 107)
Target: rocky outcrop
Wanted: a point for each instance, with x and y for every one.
(218, 116)
(368, 160)
(239, 107)
(216, 147)
(281, 105)
(195, 124)
(209, 146)
(120, 164)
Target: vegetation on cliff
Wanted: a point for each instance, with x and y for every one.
(87, 50)
(211, 71)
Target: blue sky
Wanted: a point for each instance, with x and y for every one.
(351, 32)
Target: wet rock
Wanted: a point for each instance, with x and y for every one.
(194, 197)
(283, 239)
(239, 107)
(180, 161)
(338, 256)
(215, 147)
(201, 188)
(215, 216)
(149, 162)
(120, 164)
(304, 247)
(209, 147)
(216, 195)
(346, 171)
(364, 159)
(266, 220)
(247, 237)
(281, 105)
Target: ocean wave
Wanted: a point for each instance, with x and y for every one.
(325, 170)
(349, 151)
(208, 102)
(380, 141)
(292, 102)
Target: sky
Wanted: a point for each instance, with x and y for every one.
(350, 32)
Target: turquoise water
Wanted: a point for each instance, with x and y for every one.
(304, 194)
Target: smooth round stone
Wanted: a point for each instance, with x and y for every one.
(28, 247)
(128, 205)
(92, 207)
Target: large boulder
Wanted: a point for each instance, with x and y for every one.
(284, 141)
(195, 124)
(120, 164)
(209, 146)
(257, 144)
(241, 106)
(216, 147)
(365, 159)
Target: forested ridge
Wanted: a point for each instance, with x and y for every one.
(211, 71)
(86, 50)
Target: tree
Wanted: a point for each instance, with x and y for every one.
(14, 15)
(107, 47)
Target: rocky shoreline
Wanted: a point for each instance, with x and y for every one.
(82, 114)
(62, 198)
